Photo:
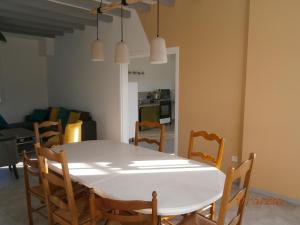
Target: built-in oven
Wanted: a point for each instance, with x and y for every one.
(165, 111)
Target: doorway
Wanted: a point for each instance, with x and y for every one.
(155, 87)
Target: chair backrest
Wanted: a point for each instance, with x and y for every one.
(126, 211)
(149, 124)
(52, 134)
(8, 151)
(209, 137)
(242, 172)
(31, 168)
(53, 180)
(73, 132)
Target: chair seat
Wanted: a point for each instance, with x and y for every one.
(196, 219)
(82, 205)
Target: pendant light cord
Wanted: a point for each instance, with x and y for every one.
(122, 22)
(97, 26)
(98, 11)
(158, 18)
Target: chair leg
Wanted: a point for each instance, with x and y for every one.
(49, 213)
(159, 220)
(9, 167)
(212, 211)
(16, 172)
(29, 207)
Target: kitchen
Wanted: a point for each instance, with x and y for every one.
(152, 97)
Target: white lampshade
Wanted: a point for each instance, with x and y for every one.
(122, 53)
(158, 51)
(97, 53)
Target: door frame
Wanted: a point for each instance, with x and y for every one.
(124, 96)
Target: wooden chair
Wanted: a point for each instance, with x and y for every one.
(209, 137)
(73, 132)
(62, 210)
(124, 212)
(242, 172)
(53, 134)
(31, 169)
(216, 161)
(148, 124)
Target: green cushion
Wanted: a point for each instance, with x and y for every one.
(3, 123)
(39, 115)
(63, 115)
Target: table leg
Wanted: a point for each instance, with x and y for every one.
(16, 171)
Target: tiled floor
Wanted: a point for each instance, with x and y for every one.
(13, 206)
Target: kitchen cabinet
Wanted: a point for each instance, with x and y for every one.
(149, 112)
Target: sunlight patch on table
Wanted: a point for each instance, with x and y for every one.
(87, 172)
(171, 170)
(159, 163)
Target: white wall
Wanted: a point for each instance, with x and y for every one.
(23, 77)
(133, 108)
(160, 76)
(76, 82)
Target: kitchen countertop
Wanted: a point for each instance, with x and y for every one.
(149, 105)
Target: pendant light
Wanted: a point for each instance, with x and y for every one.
(122, 52)
(158, 49)
(97, 53)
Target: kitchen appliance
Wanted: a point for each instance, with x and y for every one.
(156, 95)
(165, 106)
(165, 94)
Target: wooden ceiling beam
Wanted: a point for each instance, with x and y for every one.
(37, 30)
(34, 25)
(52, 7)
(88, 5)
(84, 17)
(33, 19)
(17, 30)
(16, 8)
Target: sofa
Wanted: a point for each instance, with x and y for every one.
(89, 126)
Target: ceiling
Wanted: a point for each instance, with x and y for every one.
(49, 18)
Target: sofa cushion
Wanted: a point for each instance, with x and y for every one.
(39, 115)
(85, 116)
(54, 113)
(74, 117)
(63, 115)
(3, 123)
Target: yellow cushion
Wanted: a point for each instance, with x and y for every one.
(54, 114)
(74, 117)
(73, 132)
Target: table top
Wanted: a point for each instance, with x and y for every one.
(127, 172)
(18, 132)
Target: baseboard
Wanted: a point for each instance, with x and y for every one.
(274, 195)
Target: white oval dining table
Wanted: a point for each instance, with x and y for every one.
(127, 172)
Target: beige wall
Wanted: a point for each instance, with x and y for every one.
(238, 51)
(211, 35)
(272, 109)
